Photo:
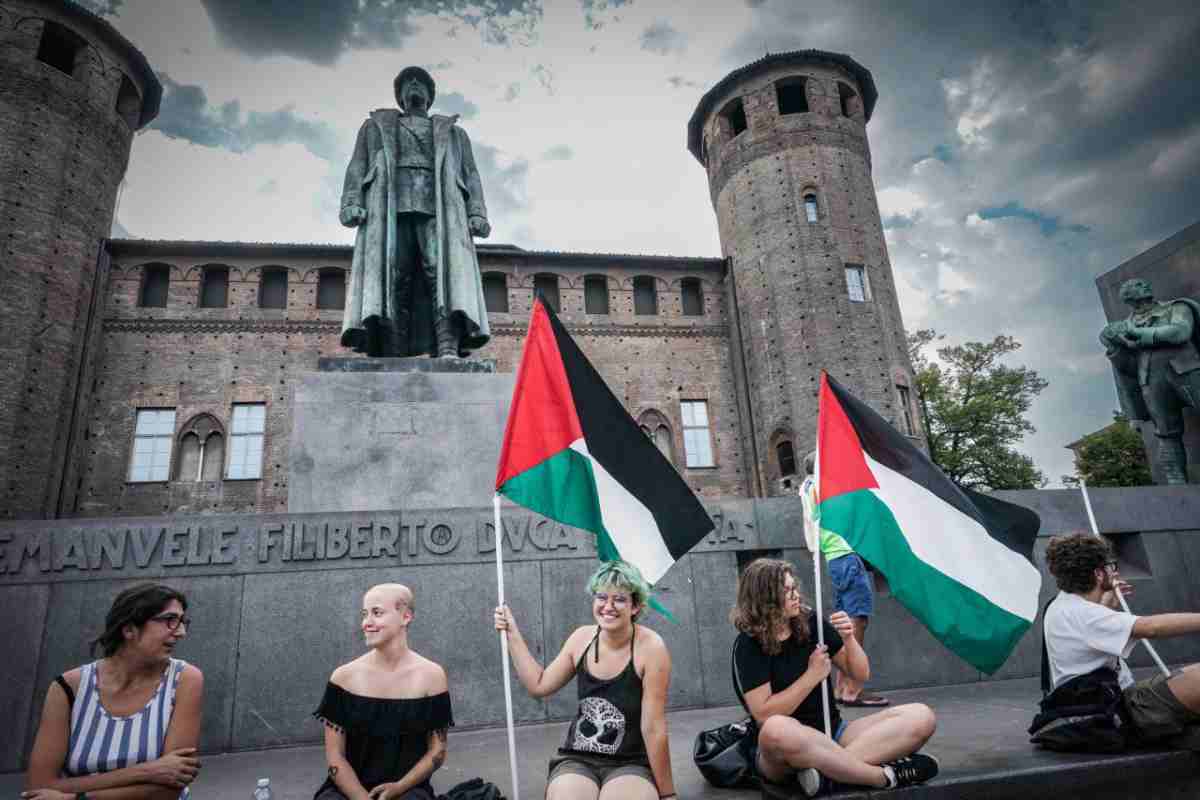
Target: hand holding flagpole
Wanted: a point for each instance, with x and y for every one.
(508, 705)
(1087, 503)
(812, 538)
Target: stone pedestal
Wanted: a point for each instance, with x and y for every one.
(391, 433)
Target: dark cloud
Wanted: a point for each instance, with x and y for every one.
(598, 13)
(504, 187)
(1019, 150)
(185, 114)
(321, 30)
(559, 152)
(661, 38)
(680, 82)
(455, 103)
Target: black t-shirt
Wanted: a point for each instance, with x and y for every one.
(755, 668)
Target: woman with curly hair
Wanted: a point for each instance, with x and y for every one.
(782, 671)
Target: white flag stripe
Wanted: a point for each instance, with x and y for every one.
(629, 523)
(957, 545)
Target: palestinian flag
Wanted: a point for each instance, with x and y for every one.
(960, 561)
(572, 453)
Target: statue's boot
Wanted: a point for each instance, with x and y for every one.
(447, 337)
(400, 329)
(1173, 459)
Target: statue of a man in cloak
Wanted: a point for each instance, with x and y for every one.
(413, 192)
(1155, 354)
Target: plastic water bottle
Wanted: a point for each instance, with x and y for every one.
(263, 790)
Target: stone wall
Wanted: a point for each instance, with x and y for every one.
(275, 599)
(200, 361)
(65, 134)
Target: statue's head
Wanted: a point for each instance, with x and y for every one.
(1137, 292)
(414, 88)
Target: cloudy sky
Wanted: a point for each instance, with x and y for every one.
(1020, 148)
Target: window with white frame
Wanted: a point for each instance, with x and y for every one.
(810, 207)
(153, 433)
(858, 285)
(246, 441)
(697, 441)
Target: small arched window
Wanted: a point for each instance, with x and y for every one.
(495, 292)
(645, 298)
(692, 297)
(156, 281)
(201, 450)
(212, 459)
(849, 100)
(657, 430)
(331, 288)
(214, 287)
(810, 206)
(786, 455)
(734, 115)
(59, 47)
(791, 95)
(547, 285)
(129, 103)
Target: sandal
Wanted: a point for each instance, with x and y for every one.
(866, 700)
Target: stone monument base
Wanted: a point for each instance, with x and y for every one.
(379, 433)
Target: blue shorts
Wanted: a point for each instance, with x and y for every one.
(851, 586)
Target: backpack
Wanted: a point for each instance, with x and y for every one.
(474, 789)
(1083, 715)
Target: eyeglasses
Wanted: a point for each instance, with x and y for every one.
(173, 620)
(618, 600)
(791, 591)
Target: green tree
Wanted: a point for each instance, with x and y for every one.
(974, 409)
(1114, 456)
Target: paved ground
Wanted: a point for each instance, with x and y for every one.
(980, 742)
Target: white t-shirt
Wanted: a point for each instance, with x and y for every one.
(1082, 636)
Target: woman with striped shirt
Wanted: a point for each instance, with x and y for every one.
(125, 726)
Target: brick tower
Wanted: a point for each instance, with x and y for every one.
(72, 93)
(810, 286)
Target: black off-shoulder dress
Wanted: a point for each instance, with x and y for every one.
(385, 738)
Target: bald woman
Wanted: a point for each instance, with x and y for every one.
(385, 713)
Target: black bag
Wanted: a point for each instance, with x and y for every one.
(725, 755)
(474, 789)
(1083, 715)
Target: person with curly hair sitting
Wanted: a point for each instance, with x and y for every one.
(782, 671)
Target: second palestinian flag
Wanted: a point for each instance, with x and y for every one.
(960, 561)
(572, 453)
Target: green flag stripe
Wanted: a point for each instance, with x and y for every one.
(966, 622)
(562, 488)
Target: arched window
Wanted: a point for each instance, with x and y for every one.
(129, 103)
(212, 457)
(59, 47)
(547, 285)
(849, 100)
(692, 296)
(331, 288)
(791, 95)
(273, 287)
(495, 292)
(595, 294)
(201, 450)
(214, 287)
(645, 298)
(156, 280)
(734, 115)
(786, 455)
(810, 206)
(658, 430)
(189, 458)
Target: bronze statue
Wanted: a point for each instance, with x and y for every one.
(413, 192)
(1155, 354)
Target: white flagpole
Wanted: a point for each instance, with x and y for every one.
(815, 547)
(508, 705)
(1087, 503)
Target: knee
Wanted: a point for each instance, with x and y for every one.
(923, 720)
(771, 734)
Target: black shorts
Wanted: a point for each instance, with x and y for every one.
(331, 792)
(599, 770)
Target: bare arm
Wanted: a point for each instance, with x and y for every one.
(1164, 626)
(538, 681)
(655, 682)
(851, 659)
(343, 775)
(162, 778)
(764, 704)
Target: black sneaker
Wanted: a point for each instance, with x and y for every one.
(913, 769)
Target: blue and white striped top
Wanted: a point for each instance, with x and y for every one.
(100, 742)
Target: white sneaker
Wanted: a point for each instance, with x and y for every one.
(809, 781)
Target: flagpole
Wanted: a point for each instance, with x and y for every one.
(816, 556)
(1087, 503)
(508, 705)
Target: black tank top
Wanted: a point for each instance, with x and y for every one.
(608, 723)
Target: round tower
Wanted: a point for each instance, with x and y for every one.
(810, 287)
(72, 93)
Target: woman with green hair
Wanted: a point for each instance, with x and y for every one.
(616, 747)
